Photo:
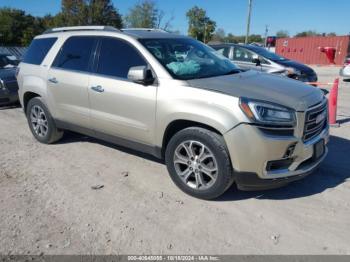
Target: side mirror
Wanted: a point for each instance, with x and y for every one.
(141, 75)
(256, 60)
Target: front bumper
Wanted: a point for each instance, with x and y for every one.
(251, 150)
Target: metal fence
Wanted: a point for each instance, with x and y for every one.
(13, 50)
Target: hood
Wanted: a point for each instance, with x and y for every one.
(290, 63)
(8, 74)
(261, 86)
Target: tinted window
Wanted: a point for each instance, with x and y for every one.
(116, 58)
(75, 53)
(38, 50)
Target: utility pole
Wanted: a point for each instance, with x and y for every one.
(248, 20)
(266, 32)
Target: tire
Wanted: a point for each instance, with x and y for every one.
(210, 176)
(44, 129)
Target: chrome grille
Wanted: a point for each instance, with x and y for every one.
(316, 120)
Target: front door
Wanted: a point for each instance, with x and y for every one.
(120, 107)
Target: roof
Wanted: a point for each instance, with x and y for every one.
(132, 32)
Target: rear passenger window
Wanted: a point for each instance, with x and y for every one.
(38, 49)
(116, 58)
(75, 53)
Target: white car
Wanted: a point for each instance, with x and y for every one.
(345, 71)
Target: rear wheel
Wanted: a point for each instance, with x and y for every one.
(198, 162)
(41, 123)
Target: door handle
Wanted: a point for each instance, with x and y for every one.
(98, 89)
(53, 80)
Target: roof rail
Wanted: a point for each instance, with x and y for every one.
(144, 29)
(81, 28)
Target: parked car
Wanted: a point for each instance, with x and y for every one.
(345, 71)
(175, 98)
(8, 82)
(258, 58)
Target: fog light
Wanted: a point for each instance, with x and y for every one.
(279, 164)
(290, 150)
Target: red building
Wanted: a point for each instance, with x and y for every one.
(320, 50)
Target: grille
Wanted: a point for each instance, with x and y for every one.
(316, 120)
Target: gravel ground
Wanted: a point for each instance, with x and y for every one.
(48, 206)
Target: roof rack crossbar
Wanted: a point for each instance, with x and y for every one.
(81, 28)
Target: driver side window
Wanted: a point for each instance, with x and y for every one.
(242, 54)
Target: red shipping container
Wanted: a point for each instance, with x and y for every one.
(307, 50)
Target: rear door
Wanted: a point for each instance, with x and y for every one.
(68, 81)
(120, 107)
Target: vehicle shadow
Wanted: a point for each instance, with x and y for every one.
(334, 171)
(10, 106)
(72, 137)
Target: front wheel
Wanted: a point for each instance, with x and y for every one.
(198, 162)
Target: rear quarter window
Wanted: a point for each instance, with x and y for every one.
(38, 49)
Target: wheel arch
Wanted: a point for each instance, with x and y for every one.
(179, 124)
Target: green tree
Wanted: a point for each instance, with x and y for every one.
(16, 27)
(307, 33)
(102, 12)
(282, 34)
(143, 15)
(200, 26)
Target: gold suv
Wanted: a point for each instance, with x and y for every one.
(175, 98)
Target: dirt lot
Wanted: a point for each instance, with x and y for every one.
(47, 204)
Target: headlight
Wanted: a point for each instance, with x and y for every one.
(292, 71)
(266, 113)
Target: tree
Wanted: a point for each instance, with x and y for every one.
(200, 26)
(282, 34)
(219, 35)
(73, 13)
(307, 33)
(146, 14)
(17, 27)
(143, 15)
(331, 34)
(102, 12)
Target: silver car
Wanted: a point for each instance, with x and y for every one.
(254, 57)
(177, 99)
(345, 70)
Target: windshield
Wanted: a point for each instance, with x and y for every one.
(267, 54)
(186, 58)
(8, 61)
